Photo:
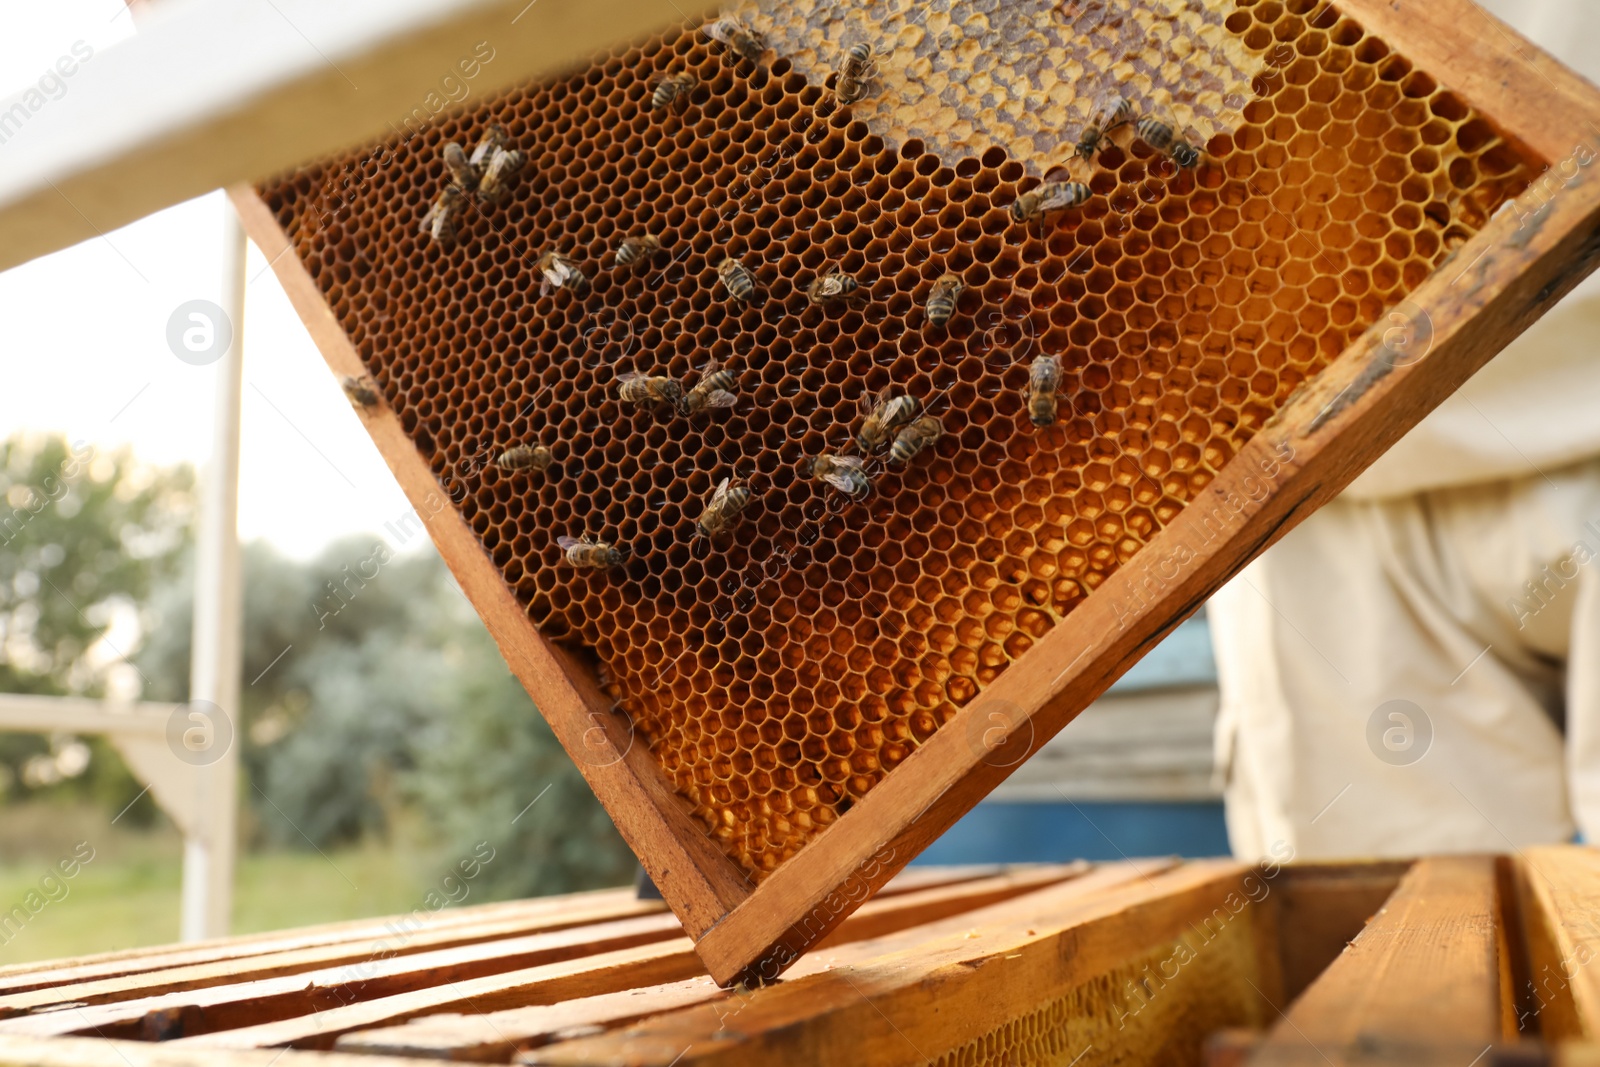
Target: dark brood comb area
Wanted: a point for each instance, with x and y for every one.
(780, 671)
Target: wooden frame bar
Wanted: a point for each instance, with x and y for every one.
(234, 90)
(1499, 282)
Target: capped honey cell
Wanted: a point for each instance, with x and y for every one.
(780, 666)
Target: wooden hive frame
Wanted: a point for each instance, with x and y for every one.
(1446, 960)
(1499, 282)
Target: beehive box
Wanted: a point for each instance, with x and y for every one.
(1448, 960)
(780, 718)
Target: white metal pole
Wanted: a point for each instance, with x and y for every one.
(208, 857)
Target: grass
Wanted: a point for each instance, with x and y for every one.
(128, 894)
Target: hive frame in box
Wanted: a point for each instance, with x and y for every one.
(1498, 283)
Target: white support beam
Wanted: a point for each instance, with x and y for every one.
(80, 715)
(140, 733)
(211, 93)
(217, 644)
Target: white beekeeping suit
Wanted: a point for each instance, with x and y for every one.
(1416, 668)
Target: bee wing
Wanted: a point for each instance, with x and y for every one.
(495, 163)
(721, 399)
(456, 161)
(709, 367)
(842, 482)
(1118, 112)
(568, 542)
(853, 462)
(720, 493)
(1060, 197)
(628, 377)
(493, 138)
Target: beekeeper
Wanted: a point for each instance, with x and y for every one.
(1416, 667)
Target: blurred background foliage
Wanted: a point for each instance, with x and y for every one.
(376, 710)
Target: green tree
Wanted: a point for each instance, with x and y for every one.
(371, 688)
(85, 536)
(492, 770)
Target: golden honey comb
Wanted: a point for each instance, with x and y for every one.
(777, 674)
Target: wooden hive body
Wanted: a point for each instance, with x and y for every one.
(1444, 960)
(780, 718)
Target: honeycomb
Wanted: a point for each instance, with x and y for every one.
(1132, 1014)
(779, 672)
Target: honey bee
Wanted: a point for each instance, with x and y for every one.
(832, 288)
(1044, 379)
(886, 416)
(462, 172)
(739, 282)
(1113, 113)
(494, 183)
(746, 43)
(722, 513)
(844, 473)
(673, 90)
(525, 458)
(636, 388)
(1051, 196)
(586, 552)
(943, 296)
(914, 438)
(637, 249)
(855, 72)
(713, 390)
(361, 391)
(1159, 135)
(493, 140)
(560, 273)
(442, 218)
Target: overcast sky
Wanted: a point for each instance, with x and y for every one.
(85, 348)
